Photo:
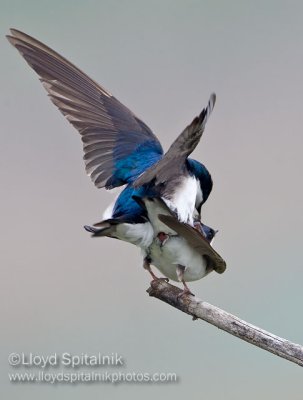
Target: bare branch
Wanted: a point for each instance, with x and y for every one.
(225, 321)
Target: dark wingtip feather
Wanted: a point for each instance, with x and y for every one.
(90, 229)
(15, 35)
(15, 31)
(205, 113)
(11, 39)
(213, 96)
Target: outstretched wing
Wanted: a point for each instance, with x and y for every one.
(183, 146)
(196, 241)
(117, 145)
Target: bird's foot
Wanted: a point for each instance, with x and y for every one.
(162, 279)
(146, 265)
(151, 273)
(156, 278)
(184, 292)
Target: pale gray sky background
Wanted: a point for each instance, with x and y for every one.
(61, 291)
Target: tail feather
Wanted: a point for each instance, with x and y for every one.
(105, 230)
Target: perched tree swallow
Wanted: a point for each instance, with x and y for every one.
(176, 249)
(120, 150)
(179, 251)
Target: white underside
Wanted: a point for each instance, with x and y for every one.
(154, 208)
(176, 252)
(138, 234)
(185, 198)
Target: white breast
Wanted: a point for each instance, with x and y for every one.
(183, 200)
(154, 208)
(138, 234)
(175, 252)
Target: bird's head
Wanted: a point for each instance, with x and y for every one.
(209, 232)
(200, 172)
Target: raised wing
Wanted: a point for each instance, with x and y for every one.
(183, 146)
(196, 240)
(117, 145)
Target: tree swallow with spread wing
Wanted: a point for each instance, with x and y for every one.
(120, 149)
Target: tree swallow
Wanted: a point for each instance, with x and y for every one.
(181, 252)
(119, 149)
